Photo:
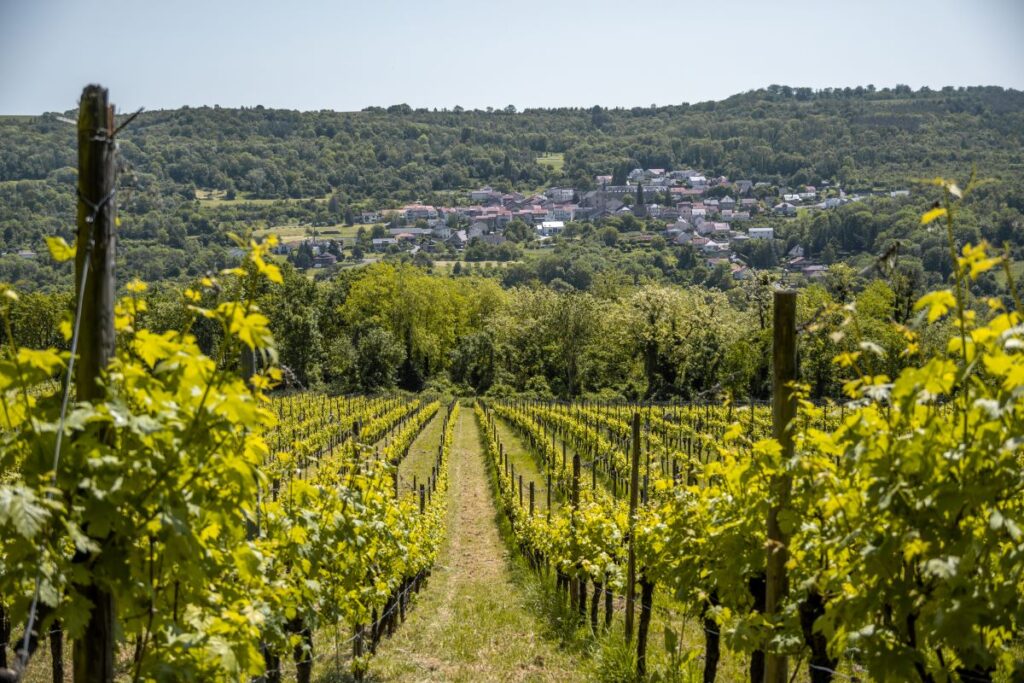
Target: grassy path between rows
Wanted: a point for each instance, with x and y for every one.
(476, 620)
(527, 464)
(416, 465)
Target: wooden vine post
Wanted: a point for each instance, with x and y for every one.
(575, 502)
(783, 413)
(94, 651)
(634, 478)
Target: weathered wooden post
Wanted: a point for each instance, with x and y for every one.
(549, 494)
(357, 653)
(634, 477)
(783, 412)
(57, 652)
(575, 502)
(646, 605)
(93, 658)
(5, 634)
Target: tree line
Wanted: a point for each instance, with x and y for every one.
(396, 325)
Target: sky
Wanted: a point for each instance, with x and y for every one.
(343, 55)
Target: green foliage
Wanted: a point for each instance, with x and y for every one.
(154, 484)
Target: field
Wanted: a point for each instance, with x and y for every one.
(296, 233)
(214, 198)
(446, 266)
(553, 160)
(1016, 272)
(505, 535)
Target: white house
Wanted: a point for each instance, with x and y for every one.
(715, 247)
(548, 228)
(761, 233)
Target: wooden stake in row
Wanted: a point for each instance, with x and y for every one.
(94, 651)
(784, 405)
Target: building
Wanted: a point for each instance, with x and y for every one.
(815, 271)
(743, 187)
(485, 195)
(560, 194)
(414, 212)
(324, 260)
(713, 247)
(565, 212)
(458, 239)
(761, 233)
(411, 232)
(550, 228)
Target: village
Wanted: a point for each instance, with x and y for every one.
(713, 215)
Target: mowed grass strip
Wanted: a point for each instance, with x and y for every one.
(475, 619)
(528, 465)
(422, 455)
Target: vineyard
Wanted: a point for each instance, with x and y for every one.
(634, 517)
(175, 512)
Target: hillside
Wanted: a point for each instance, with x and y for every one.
(328, 164)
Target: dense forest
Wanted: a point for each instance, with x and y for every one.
(318, 167)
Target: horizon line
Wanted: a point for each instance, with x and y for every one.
(456, 108)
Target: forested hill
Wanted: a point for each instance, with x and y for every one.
(791, 135)
(861, 138)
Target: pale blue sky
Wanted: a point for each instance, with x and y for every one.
(305, 54)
